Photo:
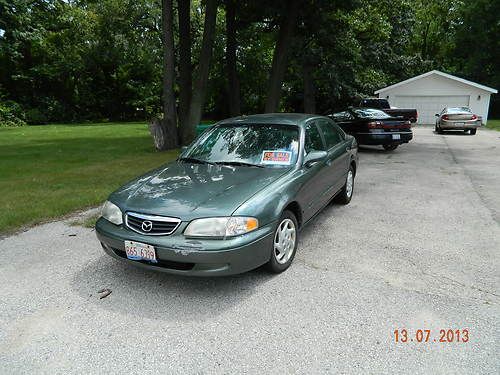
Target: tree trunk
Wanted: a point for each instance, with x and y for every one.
(185, 69)
(279, 57)
(232, 72)
(164, 132)
(309, 88)
(201, 80)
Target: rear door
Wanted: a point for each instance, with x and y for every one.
(338, 157)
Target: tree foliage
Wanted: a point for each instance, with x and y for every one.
(103, 59)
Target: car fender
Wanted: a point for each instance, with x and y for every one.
(268, 204)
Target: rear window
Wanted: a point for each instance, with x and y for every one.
(458, 110)
(370, 113)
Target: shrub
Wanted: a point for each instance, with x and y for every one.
(11, 114)
(36, 117)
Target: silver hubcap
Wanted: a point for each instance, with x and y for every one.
(284, 241)
(349, 184)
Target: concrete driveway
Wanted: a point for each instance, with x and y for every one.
(417, 248)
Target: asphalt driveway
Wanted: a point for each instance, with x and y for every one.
(417, 248)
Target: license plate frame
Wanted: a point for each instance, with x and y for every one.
(396, 136)
(140, 251)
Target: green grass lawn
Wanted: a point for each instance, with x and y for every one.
(493, 124)
(49, 171)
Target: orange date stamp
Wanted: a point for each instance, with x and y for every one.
(427, 335)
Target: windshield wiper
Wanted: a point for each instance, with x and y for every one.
(194, 160)
(239, 163)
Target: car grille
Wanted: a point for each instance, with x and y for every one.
(151, 225)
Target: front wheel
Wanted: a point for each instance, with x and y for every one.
(285, 243)
(390, 147)
(473, 131)
(345, 195)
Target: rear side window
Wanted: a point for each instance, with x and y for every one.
(342, 116)
(313, 139)
(330, 133)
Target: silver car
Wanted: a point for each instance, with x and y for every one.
(457, 118)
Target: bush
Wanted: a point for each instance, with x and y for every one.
(36, 117)
(11, 114)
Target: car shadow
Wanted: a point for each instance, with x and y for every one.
(161, 296)
(453, 132)
(373, 149)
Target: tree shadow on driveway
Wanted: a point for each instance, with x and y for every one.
(160, 296)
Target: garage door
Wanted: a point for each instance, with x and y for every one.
(428, 106)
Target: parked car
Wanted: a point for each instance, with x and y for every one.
(457, 118)
(374, 127)
(383, 104)
(233, 200)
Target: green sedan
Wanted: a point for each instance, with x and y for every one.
(235, 199)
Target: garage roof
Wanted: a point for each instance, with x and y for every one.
(470, 83)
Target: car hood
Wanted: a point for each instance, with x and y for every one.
(189, 191)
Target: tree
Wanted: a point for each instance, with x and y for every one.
(288, 20)
(201, 79)
(164, 131)
(233, 84)
(185, 68)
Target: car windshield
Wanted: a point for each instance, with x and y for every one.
(370, 113)
(247, 145)
(458, 110)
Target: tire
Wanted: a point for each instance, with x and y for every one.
(436, 130)
(281, 260)
(389, 147)
(473, 131)
(439, 130)
(345, 195)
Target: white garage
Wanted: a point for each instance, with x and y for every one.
(430, 92)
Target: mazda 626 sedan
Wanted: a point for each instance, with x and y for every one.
(233, 200)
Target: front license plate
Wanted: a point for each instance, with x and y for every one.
(396, 136)
(140, 251)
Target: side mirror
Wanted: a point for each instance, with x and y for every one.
(314, 157)
(437, 115)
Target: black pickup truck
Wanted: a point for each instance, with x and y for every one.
(383, 104)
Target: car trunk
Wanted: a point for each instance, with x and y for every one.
(390, 125)
(459, 117)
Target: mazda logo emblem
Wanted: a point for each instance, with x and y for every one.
(147, 226)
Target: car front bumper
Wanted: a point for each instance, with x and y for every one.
(459, 125)
(385, 138)
(179, 255)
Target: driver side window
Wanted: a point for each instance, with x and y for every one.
(313, 140)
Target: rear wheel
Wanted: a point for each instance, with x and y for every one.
(285, 242)
(473, 131)
(390, 147)
(439, 130)
(345, 195)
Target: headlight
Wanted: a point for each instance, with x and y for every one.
(221, 226)
(112, 213)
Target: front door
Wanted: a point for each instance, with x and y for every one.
(313, 195)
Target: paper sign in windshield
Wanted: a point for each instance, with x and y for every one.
(276, 157)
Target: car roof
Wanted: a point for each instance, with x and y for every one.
(297, 119)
